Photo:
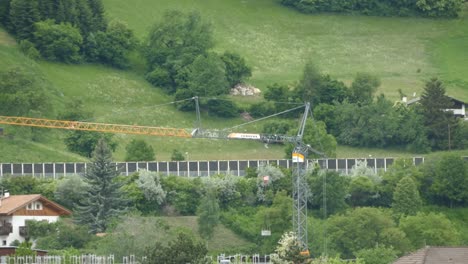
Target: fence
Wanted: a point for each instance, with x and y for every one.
(187, 168)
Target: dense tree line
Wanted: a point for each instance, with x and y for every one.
(433, 8)
(355, 116)
(368, 213)
(69, 31)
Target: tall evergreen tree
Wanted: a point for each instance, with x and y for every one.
(23, 15)
(104, 199)
(434, 102)
(406, 199)
(98, 21)
(208, 215)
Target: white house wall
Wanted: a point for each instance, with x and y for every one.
(20, 220)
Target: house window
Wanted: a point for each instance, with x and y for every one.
(30, 206)
(38, 206)
(4, 243)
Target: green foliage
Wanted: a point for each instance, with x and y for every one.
(103, 200)
(363, 88)
(23, 15)
(28, 48)
(84, 142)
(208, 215)
(437, 120)
(113, 46)
(184, 195)
(432, 229)
(58, 42)
(336, 191)
(336, 260)
(150, 184)
(276, 127)
(133, 234)
(317, 88)
(70, 191)
(237, 70)
(24, 249)
(60, 235)
(222, 108)
(363, 228)
(315, 135)
(289, 249)
(207, 76)
(406, 199)
(139, 150)
(377, 255)
(450, 180)
(173, 44)
(21, 185)
(184, 249)
(177, 155)
(22, 93)
(428, 8)
(362, 191)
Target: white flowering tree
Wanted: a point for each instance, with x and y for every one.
(150, 184)
(289, 250)
(267, 175)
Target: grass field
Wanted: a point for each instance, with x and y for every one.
(403, 52)
(276, 42)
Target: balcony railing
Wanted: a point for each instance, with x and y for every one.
(5, 230)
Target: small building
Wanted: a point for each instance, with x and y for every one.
(15, 210)
(459, 108)
(436, 255)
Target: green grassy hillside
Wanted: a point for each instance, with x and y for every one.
(223, 240)
(404, 52)
(276, 41)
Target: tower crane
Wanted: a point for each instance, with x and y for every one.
(299, 154)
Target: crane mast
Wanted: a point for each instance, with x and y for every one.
(299, 154)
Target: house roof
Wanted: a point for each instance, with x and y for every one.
(13, 203)
(436, 255)
(417, 99)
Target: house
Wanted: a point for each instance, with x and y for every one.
(15, 210)
(436, 255)
(459, 109)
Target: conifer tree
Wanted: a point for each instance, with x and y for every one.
(104, 199)
(406, 199)
(23, 15)
(98, 20)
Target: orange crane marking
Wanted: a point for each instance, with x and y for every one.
(99, 127)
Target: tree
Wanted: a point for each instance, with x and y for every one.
(84, 142)
(429, 229)
(208, 215)
(173, 44)
(406, 199)
(237, 70)
(58, 42)
(207, 76)
(451, 179)
(184, 249)
(98, 21)
(23, 15)
(433, 107)
(363, 88)
(22, 93)
(139, 150)
(362, 228)
(113, 46)
(289, 249)
(70, 191)
(336, 191)
(222, 108)
(150, 184)
(62, 234)
(104, 198)
(377, 255)
(177, 155)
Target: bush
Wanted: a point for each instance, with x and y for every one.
(222, 108)
(28, 49)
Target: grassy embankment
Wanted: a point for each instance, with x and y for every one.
(276, 42)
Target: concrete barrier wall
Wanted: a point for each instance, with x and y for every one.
(187, 168)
